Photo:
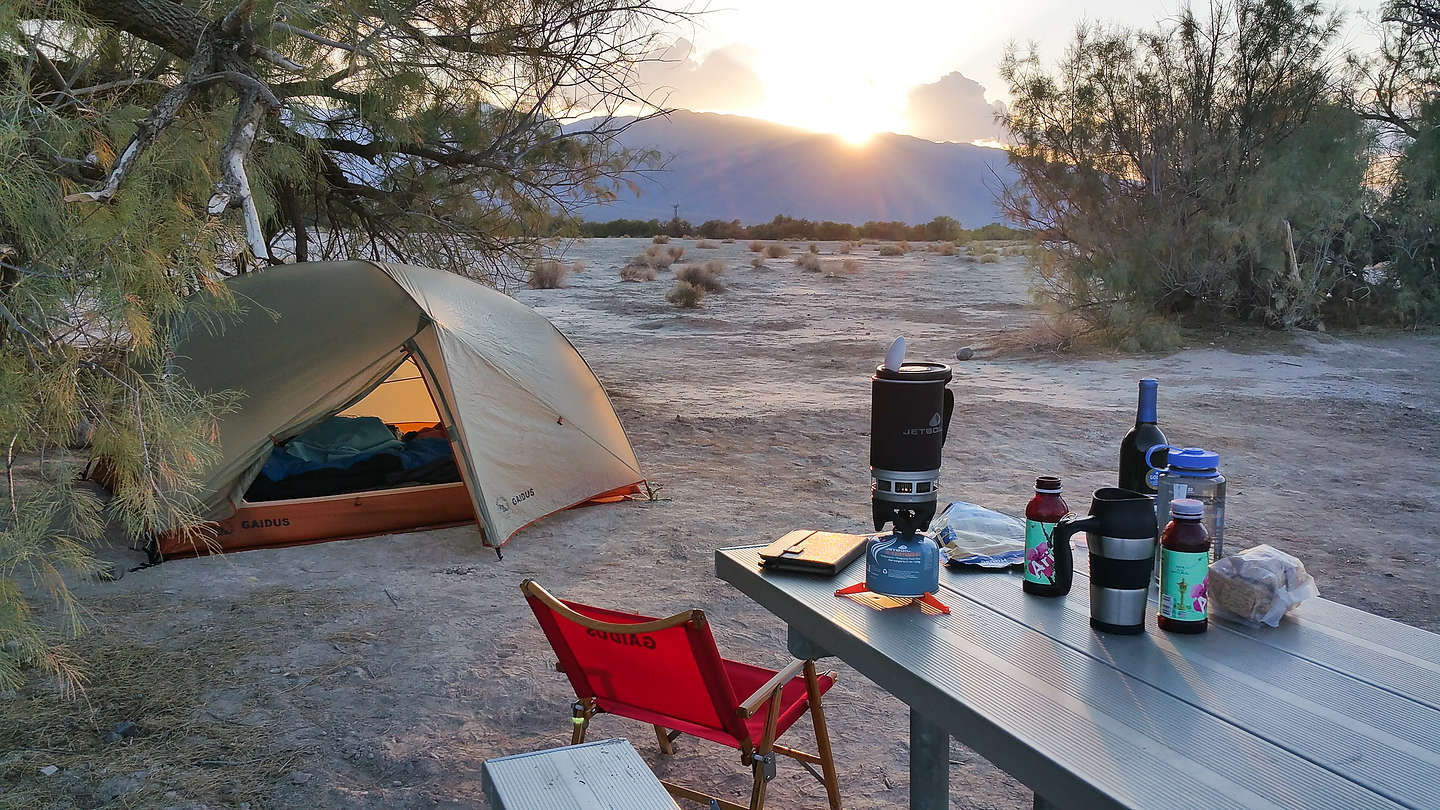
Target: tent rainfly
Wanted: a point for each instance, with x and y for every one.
(530, 427)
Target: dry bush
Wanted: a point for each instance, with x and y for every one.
(847, 247)
(757, 246)
(869, 241)
(814, 247)
(808, 261)
(757, 262)
(578, 266)
(840, 268)
(776, 251)
(728, 240)
(685, 295)
(660, 239)
(676, 251)
(656, 256)
(989, 258)
(547, 275)
(705, 276)
(705, 244)
(982, 248)
(943, 248)
(892, 249)
(637, 272)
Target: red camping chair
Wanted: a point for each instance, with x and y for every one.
(668, 673)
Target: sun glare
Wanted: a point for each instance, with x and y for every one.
(857, 134)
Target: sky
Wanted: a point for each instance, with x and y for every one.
(929, 69)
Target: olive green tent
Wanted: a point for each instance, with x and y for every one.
(530, 426)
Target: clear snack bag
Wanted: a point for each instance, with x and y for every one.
(973, 535)
(1259, 585)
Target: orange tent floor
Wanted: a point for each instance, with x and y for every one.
(342, 517)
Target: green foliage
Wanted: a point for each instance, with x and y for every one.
(943, 229)
(1397, 89)
(1408, 286)
(90, 297)
(782, 227)
(1206, 166)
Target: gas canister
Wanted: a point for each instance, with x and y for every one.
(904, 566)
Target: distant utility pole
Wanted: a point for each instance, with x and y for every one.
(676, 206)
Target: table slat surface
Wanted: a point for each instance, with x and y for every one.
(1229, 718)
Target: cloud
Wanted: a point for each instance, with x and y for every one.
(722, 81)
(953, 109)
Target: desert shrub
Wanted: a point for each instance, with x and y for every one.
(892, 249)
(685, 295)
(808, 261)
(943, 248)
(637, 272)
(660, 239)
(840, 268)
(657, 257)
(757, 246)
(846, 248)
(706, 244)
(1209, 167)
(727, 241)
(578, 266)
(676, 251)
(705, 276)
(757, 262)
(989, 258)
(547, 275)
(776, 251)
(814, 247)
(982, 249)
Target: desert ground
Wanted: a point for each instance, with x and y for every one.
(380, 673)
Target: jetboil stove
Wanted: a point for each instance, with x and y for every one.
(910, 409)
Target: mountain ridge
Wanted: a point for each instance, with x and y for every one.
(732, 167)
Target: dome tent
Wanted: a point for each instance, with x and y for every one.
(530, 427)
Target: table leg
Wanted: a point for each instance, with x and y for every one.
(929, 764)
(802, 647)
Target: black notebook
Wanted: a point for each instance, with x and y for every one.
(813, 552)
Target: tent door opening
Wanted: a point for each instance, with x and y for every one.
(403, 477)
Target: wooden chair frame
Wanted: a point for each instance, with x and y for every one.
(760, 757)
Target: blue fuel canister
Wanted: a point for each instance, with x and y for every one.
(903, 566)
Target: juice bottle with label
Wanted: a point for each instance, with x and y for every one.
(1184, 569)
(1041, 515)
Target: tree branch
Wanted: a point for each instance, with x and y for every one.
(234, 188)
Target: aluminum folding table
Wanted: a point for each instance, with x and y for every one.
(1335, 709)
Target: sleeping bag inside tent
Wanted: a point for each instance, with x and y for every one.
(378, 398)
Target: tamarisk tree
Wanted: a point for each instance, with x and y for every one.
(150, 147)
(1207, 165)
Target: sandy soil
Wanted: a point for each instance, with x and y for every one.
(380, 673)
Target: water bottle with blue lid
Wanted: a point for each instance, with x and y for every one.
(1191, 472)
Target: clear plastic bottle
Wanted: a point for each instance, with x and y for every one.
(1192, 472)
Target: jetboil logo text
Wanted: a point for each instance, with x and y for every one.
(930, 430)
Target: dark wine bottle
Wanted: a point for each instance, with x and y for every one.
(1134, 474)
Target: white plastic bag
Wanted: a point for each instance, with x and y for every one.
(974, 535)
(1259, 585)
